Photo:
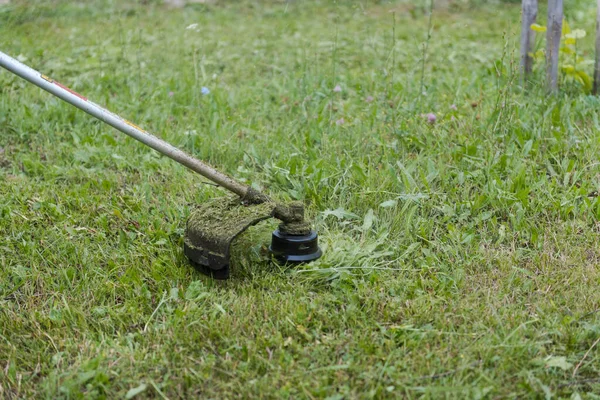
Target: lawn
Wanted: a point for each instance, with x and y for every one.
(460, 248)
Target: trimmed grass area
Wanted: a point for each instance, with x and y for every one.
(461, 256)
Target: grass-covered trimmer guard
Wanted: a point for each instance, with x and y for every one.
(213, 225)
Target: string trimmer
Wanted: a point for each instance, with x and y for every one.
(212, 226)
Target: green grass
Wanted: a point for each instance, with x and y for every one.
(461, 257)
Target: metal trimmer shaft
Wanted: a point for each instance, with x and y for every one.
(81, 102)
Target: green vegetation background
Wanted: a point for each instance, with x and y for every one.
(461, 249)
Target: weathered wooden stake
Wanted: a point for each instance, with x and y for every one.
(528, 17)
(597, 66)
(555, 17)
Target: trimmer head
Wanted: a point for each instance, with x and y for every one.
(212, 227)
(295, 248)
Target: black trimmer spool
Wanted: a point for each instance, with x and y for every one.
(295, 249)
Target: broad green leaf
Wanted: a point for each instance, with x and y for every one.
(389, 203)
(359, 171)
(410, 249)
(486, 215)
(409, 181)
(195, 291)
(85, 377)
(131, 393)
(220, 308)
(538, 28)
(527, 147)
(340, 213)
(558, 362)
(368, 221)
(413, 196)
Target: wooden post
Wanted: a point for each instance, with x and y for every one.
(528, 17)
(597, 66)
(555, 17)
